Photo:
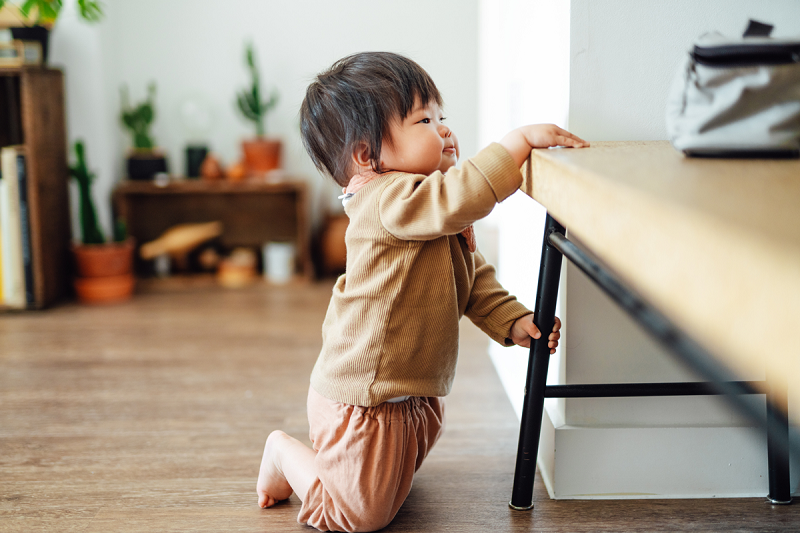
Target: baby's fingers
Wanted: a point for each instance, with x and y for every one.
(565, 138)
(532, 330)
(571, 141)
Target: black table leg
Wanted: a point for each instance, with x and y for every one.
(780, 491)
(538, 362)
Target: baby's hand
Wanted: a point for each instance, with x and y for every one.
(520, 141)
(547, 135)
(524, 328)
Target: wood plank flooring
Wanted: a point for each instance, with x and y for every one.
(152, 415)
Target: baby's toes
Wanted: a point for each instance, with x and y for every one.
(264, 500)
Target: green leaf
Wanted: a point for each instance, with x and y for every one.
(49, 9)
(26, 7)
(255, 104)
(129, 119)
(250, 56)
(142, 140)
(146, 113)
(46, 10)
(271, 102)
(245, 108)
(90, 10)
(90, 231)
(139, 118)
(120, 230)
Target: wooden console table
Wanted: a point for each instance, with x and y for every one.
(702, 253)
(252, 213)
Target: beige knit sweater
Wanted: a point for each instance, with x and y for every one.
(392, 324)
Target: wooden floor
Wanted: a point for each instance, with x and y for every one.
(151, 416)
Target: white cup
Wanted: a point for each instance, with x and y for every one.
(278, 261)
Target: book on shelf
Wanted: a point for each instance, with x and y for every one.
(2, 293)
(15, 238)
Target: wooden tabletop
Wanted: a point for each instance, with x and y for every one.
(714, 244)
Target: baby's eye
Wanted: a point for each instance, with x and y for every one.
(425, 121)
(442, 119)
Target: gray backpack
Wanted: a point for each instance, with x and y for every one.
(738, 97)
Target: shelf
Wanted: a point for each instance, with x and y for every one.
(252, 212)
(32, 114)
(199, 186)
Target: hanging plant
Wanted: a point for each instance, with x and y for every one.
(45, 12)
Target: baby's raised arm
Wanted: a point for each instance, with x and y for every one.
(520, 141)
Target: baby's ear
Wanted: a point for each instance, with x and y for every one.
(361, 157)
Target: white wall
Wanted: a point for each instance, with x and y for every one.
(524, 79)
(625, 53)
(195, 49)
(80, 49)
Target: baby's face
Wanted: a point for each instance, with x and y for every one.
(420, 143)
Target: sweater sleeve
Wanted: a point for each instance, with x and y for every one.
(419, 207)
(490, 307)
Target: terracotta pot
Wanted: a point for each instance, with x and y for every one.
(104, 289)
(261, 155)
(97, 260)
(334, 251)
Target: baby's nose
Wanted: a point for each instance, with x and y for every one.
(444, 131)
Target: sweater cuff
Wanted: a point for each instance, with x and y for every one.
(499, 322)
(499, 169)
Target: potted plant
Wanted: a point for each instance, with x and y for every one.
(144, 160)
(104, 269)
(260, 154)
(36, 18)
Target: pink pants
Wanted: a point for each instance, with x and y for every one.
(366, 459)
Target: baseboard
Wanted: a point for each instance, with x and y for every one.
(651, 462)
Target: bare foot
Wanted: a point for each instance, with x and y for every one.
(272, 486)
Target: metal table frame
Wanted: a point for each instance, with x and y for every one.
(720, 381)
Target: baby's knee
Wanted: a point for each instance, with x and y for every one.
(277, 435)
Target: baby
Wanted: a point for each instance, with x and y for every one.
(374, 123)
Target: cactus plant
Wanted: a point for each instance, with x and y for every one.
(103, 270)
(138, 119)
(90, 229)
(250, 103)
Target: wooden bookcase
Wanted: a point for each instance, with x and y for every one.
(252, 212)
(32, 114)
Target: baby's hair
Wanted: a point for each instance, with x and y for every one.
(355, 101)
